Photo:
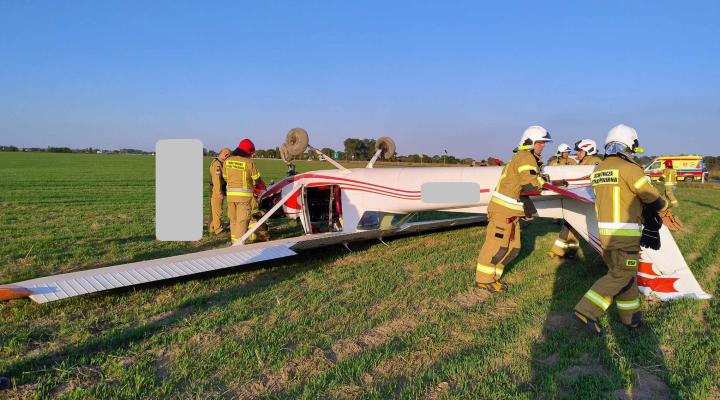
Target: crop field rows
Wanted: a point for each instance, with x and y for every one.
(377, 322)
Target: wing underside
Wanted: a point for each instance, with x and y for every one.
(58, 287)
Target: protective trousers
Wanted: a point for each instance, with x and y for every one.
(215, 224)
(620, 285)
(502, 245)
(670, 195)
(239, 213)
(566, 243)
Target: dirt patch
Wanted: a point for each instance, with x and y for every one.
(471, 297)
(586, 366)
(693, 256)
(437, 391)
(346, 392)
(170, 316)
(95, 226)
(550, 360)
(321, 360)
(375, 337)
(647, 386)
(20, 392)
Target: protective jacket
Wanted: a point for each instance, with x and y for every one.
(240, 173)
(217, 182)
(621, 188)
(563, 161)
(670, 177)
(590, 160)
(521, 173)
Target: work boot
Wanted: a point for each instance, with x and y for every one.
(590, 325)
(4, 383)
(636, 323)
(494, 287)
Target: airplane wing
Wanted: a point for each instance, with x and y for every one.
(57, 287)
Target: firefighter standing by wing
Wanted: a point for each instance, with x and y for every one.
(627, 207)
(566, 245)
(563, 156)
(669, 177)
(586, 150)
(502, 241)
(243, 182)
(217, 191)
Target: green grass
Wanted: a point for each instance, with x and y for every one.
(379, 322)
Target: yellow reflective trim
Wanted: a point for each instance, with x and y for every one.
(527, 167)
(526, 147)
(620, 232)
(559, 243)
(641, 182)
(256, 176)
(597, 299)
(240, 194)
(504, 203)
(616, 204)
(669, 184)
(628, 305)
(488, 270)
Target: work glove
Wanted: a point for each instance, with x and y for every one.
(670, 220)
(651, 229)
(650, 239)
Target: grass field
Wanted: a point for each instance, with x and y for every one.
(379, 322)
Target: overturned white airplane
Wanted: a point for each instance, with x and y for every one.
(344, 205)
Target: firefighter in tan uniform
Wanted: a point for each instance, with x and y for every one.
(502, 241)
(567, 244)
(243, 182)
(586, 150)
(627, 207)
(669, 177)
(217, 191)
(563, 156)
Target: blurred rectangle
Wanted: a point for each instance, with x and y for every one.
(178, 190)
(450, 192)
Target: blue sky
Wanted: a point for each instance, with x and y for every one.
(462, 76)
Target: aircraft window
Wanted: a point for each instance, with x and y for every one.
(655, 165)
(380, 220)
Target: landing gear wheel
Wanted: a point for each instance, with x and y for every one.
(387, 146)
(296, 141)
(689, 179)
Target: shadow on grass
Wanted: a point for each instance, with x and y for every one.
(701, 204)
(568, 362)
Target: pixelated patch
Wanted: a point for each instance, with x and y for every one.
(631, 263)
(217, 171)
(499, 235)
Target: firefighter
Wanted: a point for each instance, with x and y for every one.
(502, 241)
(217, 191)
(567, 244)
(625, 199)
(243, 182)
(669, 177)
(563, 156)
(586, 150)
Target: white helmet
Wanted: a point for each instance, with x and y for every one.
(563, 148)
(623, 135)
(587, 145)
(535, 133)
